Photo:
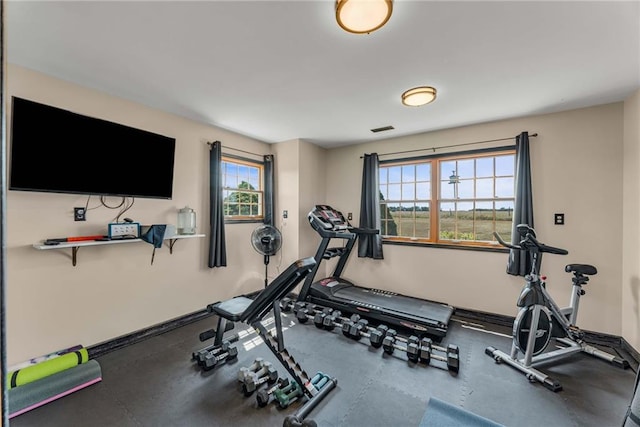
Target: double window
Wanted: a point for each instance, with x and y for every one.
(243, 189)
(454, 199)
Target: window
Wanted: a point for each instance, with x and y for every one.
(454, 199)
(242, 189)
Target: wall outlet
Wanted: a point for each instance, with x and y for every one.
(79, 214)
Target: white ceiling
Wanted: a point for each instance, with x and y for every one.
(282, 70)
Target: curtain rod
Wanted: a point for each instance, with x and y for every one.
(236, 149)
(533, 135)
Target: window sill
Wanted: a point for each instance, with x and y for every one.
(447, 246)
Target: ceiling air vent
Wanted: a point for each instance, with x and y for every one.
(382, 129)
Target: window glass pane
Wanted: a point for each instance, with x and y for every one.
(393, 210)
(382, 175)
(395, 174)
(447, 168)
(423, 221)
(408, 173)
(423, 172)
(465, 189)
(504, 187)
(406, 220)
(254, 178)
(505, 165)
(383, 192)
(465, 168)
(447, 190)
(423, 190)
(465, 221)
(504, 219)
(408, 191)
(394, 192)
(484, 188)
(447, 220)
(484, 221)
(484, 167)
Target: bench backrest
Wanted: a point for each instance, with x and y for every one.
(278, 289)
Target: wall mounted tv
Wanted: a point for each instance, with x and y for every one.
(55, 150)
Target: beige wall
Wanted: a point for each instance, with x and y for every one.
(312, 192)
(300, 168)
(577, 170)
(630, 311)
(114, 290)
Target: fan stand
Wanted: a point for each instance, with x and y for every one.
(266, 270)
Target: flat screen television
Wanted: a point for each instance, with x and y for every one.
(59, 151)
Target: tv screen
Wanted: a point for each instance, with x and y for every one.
(55, 150)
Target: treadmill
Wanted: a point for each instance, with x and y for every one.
(420, 316)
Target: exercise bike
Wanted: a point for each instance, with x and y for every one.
(539, 318)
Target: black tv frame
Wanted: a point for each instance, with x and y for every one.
(55, 150)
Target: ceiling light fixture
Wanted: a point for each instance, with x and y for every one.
(363, 16)
(418, 96)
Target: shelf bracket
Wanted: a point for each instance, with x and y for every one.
(74, 254)
(171, 243)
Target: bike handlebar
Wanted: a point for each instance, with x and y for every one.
(529, 242)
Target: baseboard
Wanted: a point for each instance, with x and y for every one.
(596, 338)
(483, 316)
(97, 350)
(143, 334)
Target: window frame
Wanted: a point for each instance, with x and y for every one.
(436, 177)
(260, 165)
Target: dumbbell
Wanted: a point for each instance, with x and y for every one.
(264, 395)
(355, 327)
(223, 353)
(202, 353)
(286, 304)
(330, 321)
(452, 351)
(302, 311)
(287, 394)
(265, 374)
(362, 329)
(411, 345)
(245, 371)
(326, 318)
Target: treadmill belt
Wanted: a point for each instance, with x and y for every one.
(400, 304)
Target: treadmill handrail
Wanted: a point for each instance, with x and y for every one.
(334, 234)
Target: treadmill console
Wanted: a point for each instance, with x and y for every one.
(324, 217)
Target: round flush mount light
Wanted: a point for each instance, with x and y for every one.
(418, 96)
(363, 16)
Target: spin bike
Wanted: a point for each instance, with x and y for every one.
(537, 308)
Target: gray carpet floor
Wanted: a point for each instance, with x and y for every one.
(155, 383)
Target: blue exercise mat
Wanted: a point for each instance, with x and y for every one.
(442, 414)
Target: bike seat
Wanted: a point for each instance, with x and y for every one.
(586, 269)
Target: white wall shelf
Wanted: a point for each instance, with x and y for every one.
(77, 245)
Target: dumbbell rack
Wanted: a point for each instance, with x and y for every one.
(418, 350)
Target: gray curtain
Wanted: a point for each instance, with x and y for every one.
(217, 246)
(519, 263)
(269, 198)
(370, 245)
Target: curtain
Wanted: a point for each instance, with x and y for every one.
(519, 263)
(370, 245)
(217, 246)
(269, 200)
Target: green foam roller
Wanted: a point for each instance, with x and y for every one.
(49, 367)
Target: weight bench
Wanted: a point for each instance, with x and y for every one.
(252, 312)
